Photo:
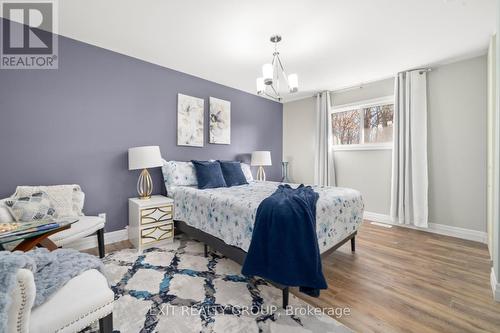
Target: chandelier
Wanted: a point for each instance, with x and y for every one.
(269, 84)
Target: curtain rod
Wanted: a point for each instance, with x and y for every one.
(361, 85)
(420, 70)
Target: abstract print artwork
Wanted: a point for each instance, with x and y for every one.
(220, 121)
(190, 115)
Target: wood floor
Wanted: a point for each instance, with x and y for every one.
(404, 280)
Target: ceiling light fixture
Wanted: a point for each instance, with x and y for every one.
(269, 84)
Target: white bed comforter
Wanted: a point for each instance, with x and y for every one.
(229, 212)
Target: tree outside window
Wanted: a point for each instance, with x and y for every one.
(365, 124)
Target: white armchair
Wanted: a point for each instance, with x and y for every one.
(86, 225)
(80, 302)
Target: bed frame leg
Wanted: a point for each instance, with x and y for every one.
(285, 297)
(206, 250)
(353, 244)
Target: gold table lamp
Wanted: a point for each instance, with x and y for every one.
(143, 158)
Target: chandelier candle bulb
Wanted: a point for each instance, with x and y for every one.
(293, 82)
(267, 73)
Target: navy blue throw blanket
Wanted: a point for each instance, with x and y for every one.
(284, 247)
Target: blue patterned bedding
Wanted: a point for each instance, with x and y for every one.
(229, 212)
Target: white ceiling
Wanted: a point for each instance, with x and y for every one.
(330, 43)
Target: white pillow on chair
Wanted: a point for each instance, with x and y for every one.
(36, 206)
(5, 215)
(78, 200)
(67, 200)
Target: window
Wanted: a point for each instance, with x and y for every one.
(366, 125)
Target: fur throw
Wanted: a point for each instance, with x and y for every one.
(51, 271)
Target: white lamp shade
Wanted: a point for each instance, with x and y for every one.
(261, 86)
(293, 82)
(267, 72)
(261, 158)
(144, 157)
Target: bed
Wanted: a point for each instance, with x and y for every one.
(223, 218)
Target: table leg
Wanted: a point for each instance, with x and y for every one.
(43, 240)
(48, 244)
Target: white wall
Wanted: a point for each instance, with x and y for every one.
(366, 91)
(368, 171)
(492, 97)
(496, 188)
(299, 123)
(457, 146)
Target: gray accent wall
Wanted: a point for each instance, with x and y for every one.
(457, 116)
(75, 124)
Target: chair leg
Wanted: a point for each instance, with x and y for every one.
(353, 244)
(285, 294)
(100, 242)
(106, 324)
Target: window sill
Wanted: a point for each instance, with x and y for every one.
(363, 147)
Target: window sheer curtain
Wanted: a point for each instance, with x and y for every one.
(409, 193)
(324, 168)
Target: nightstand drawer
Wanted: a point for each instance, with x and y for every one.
(156, 214)
(154, 234)
(151, 221)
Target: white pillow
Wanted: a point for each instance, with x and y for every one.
(78, 200)
(179, 173)
(5, 215)
(36, 206)
(67, 200)
(247, 172)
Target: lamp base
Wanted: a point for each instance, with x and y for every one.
(144, 185)
(261, 174)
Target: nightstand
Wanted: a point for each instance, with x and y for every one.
(151, 221)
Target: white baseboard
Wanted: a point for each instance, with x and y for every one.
(495, 286)
(91, 241)
(442, 229)
(376, 217)
(473, 235)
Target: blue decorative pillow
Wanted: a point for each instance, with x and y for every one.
(209, 174)
(233, 174)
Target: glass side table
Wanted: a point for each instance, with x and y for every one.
(37, 238)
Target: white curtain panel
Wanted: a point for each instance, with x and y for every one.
(409, 194)
(324, 169)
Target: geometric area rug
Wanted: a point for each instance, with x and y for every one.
(174, 288)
